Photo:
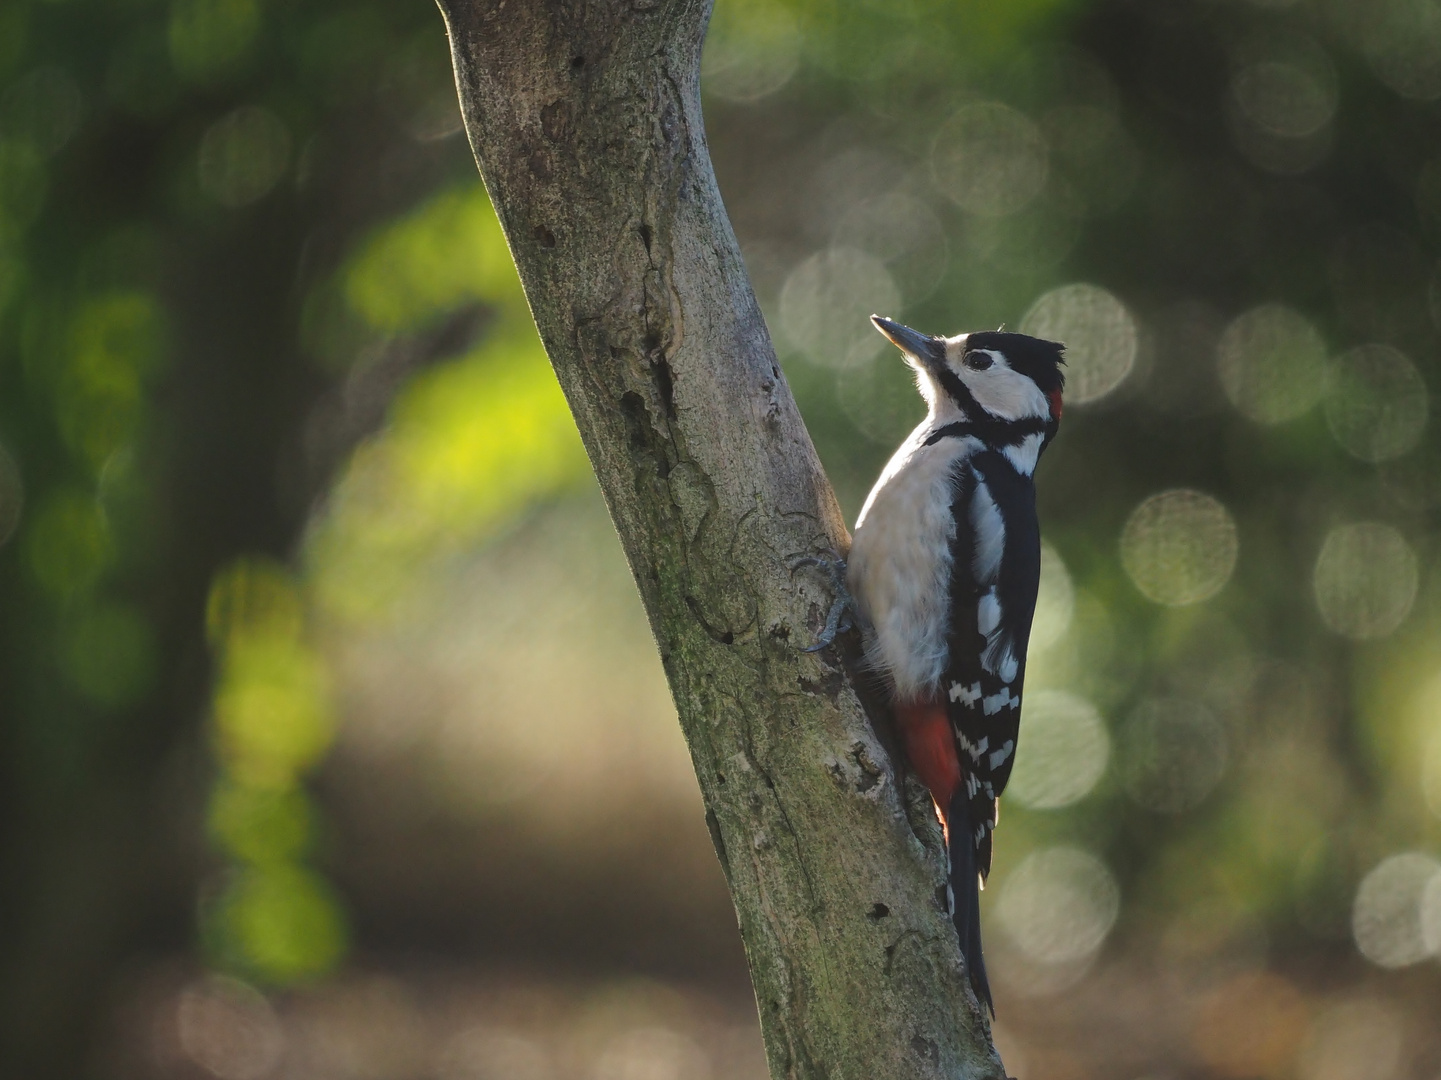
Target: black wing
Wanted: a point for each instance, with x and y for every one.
(991, 607)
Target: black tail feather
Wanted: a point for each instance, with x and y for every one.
(966, 893)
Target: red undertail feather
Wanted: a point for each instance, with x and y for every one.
(931, 750)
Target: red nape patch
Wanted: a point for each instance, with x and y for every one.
(931, 750)
(1055, 399)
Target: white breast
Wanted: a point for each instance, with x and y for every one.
(900, 562)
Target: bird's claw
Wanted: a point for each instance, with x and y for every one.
(838, 619)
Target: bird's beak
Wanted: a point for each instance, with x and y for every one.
(928, 350)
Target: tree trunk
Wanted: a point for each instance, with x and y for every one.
(585, 120)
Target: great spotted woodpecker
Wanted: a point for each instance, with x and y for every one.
(944, 567)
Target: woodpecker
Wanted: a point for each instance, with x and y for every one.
(944, 566)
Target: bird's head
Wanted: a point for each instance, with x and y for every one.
(986, 376)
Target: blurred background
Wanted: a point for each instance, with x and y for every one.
(334, 740)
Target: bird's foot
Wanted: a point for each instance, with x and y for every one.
(839, 619)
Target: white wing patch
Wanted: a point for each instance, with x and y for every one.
(1001, 699)
(990, 534)
(1009, 667)
(999, 658)
(974, 749)
(998, 757)
(988, 613)
(966, 695)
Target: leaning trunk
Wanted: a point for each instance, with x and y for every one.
(586, 123)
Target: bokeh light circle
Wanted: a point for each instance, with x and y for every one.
(1066, 750)
(243, 155)
(1179, 547)
(1094, 154)
(1431, 773)
(1099, 334)
(879, 397)
(1055, 601)
(1173, 753)
(652, 1053)
(229, 1029)
(43, 108)
(1283, 98)
(108, 654)
(1352, 1040)
(283, 919)
(1431, 915)
(23, 183)
(1249, 1026)
(1386, 917)
(1402, 41)
(69, 541)
(1272, 364)
(1058, 905)
(1376, 403)
(1365, 580)
(825, 303)
(479, 1053)
(751, 57)
(990, 159)
(905, 234)
(211, 40)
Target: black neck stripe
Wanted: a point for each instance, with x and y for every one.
(959, 392)
(959, 430)
(994, 433)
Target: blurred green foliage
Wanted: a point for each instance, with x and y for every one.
(179, 183)
(471, 442)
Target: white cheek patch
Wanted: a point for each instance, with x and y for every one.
(1004, 392)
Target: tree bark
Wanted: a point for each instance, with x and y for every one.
(585, 120)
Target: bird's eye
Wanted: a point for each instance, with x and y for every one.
(977, 361)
